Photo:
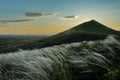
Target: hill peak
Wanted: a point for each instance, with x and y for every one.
(93, 26)
(89, 24)
(91, 21)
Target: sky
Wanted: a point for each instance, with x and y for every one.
(54, 16)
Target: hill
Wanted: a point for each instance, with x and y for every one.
(88, 31)
(95, 27)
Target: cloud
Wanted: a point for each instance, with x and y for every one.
(17, 21)
(69, 17)
(29, 14)
(1, 25)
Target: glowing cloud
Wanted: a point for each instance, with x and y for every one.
(69, 17)
(29, 14)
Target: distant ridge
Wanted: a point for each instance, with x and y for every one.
(88, 31)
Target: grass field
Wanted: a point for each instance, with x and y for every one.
(88, 60)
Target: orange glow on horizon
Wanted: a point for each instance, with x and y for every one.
(34, 28)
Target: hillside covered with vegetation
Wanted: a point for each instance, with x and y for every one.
(87, 60)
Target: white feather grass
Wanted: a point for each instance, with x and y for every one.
(58, 62)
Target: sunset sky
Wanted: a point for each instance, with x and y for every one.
(54, 16)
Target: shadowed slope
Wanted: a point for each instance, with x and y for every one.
(95, 27)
